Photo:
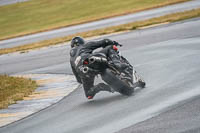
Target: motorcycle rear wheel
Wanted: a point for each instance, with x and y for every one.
(122, 86)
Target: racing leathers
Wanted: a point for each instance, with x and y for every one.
(77, 56)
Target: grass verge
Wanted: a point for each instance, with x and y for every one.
(43, 15)
(13, 89)
(125, 27)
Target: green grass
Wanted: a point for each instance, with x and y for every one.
(125, 27)
(13, 89)
(42, 15)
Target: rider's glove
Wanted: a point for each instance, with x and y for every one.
(116, 43)
(110, 42)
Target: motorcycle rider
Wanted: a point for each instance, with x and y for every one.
(79, 52)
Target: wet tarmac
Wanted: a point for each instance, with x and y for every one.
(165, 56)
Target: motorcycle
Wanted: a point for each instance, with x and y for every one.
(118, 73)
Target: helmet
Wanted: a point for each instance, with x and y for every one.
(77, 41)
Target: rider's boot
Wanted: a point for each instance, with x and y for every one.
(100, 87)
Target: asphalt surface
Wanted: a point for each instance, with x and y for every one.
(184, 118)
(100, 24)
(167, 57)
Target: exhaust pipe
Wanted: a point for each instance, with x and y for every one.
(92, 60)
(85, 69)
(97, 59)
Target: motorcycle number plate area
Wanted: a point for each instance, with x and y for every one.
(77, 60)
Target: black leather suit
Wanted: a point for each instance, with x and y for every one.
(77, 55)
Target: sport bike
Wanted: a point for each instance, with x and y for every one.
(114, 69)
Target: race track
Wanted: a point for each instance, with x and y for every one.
(167, 57)
(139, 16)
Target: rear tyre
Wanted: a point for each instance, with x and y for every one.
(123, 87)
